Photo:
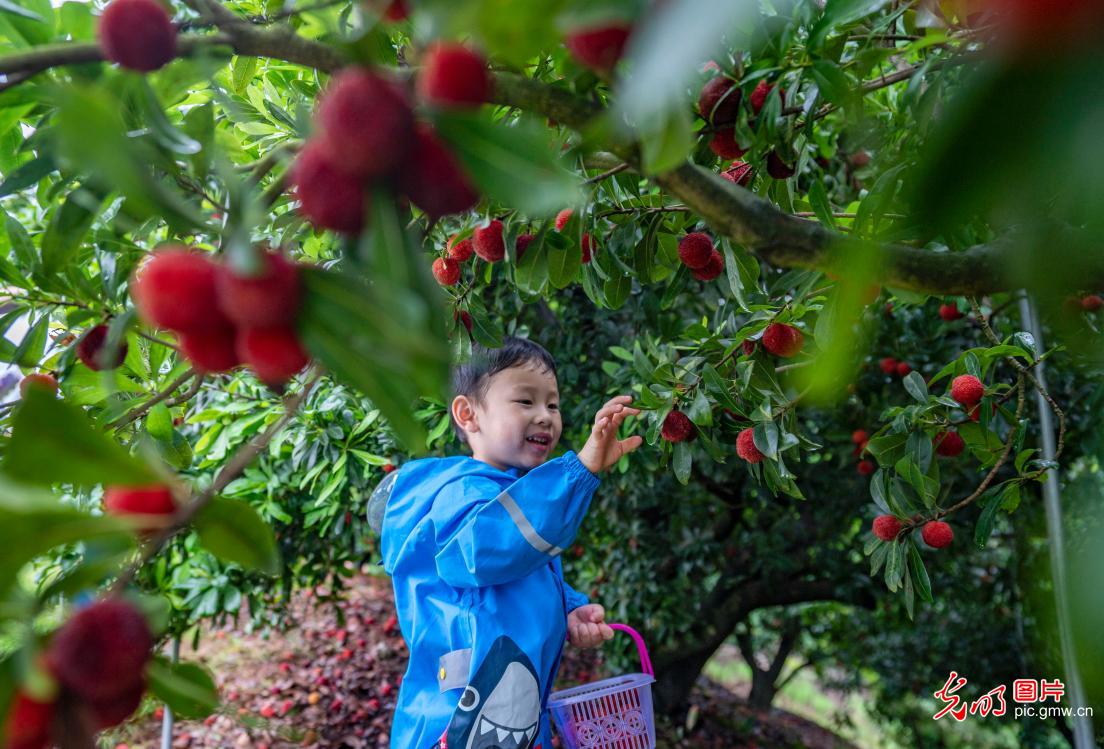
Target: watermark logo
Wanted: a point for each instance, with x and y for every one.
(1030, 696)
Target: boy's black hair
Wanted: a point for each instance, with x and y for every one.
(472, 378)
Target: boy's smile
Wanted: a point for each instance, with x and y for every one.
(518, 423)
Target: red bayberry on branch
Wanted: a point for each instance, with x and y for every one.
(778, 168)
(866, 467)
(859, 436)
(387, 468)
(587, 245)
(137, 34)
(176, 288)
(748, 346)
(365, 123)
(38, 380)
(329, 197)
(598, 48)
(967, 390)
(397, 11)
(888, 365)
(937, 534)
(101, 652)
(1091, 303)
(522, 244)
(886, 527)
(903, 368)
(949, 312)
(464, 317)
(434, 179)
(454, 76)
(745, 446)
(711, 269)
(739, 172)
(28, 723)
(211, 350)
(723, 143)
(274, 354)
(271, 297)
(760, 94)
(677, 427)
(782, 340)
(92, 348)
(563, 217)
(949, 444)
(459, 251)
(446, 271)
(139, 500)
(488, 242)
(695, 249)
(111, 712)
(719, 102)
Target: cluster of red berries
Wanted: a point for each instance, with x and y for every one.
(697, 252)
(586, 244)
(489, 243)
(860, 439)
(367, 134)
(224, 319)
(892, 367)
(719, 105)
(98, 659)
(936, 533)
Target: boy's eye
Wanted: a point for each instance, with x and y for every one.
(553, 406)
(526, 402)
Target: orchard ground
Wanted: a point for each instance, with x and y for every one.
(321, 683)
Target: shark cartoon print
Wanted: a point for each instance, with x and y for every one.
(501, 705)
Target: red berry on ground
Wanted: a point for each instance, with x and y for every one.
(723, 143)
(101, 652)
(949, 444)
(446, 271)
(92, 349)
(888, 365)
(460, 251)
(1092, 303)
(271, 297)
(211, 350)
(949, 312)
(522, 244)
(274, 354)
(745, 446)
(176, 288)
(859, 436)
(937, 534)
(740, 172)
(329, 197)
(695, 249)
(563, 217)
(677, 427)
(719, 102)
(967, 390)
(488, 242)
(783, 340)
(866, 467)
(433, 179)
(365, 123)
(711, 269)
(886, 527)
(903, 368)
(454, 76)
(137, 34)
(598, 48)
(38, 380)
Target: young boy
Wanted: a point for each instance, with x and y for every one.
(473, 546)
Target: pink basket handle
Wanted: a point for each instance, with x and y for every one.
(641, 648)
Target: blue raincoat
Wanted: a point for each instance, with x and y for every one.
(473, 552)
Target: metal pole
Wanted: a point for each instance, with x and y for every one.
(1082, 726)
(167, 720)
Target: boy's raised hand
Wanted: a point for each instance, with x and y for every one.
(603, 448)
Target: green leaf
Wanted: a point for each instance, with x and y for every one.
(164, 132)
(67, 227)
(53, 442)
(916, 387)
(187, 688)
(514, 165)
(232, 530)
(617, 290)
(765, 437)
(243, 69)
(7, 6)
(840, 13)
(667, 141)
(30, 349)
(159, 422)
(28, 174)
(682, 459)
(987, 519)
(564, 265)
(919, 573)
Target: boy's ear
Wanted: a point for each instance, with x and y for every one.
(463, 413)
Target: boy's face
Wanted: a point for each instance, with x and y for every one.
(518, 423)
